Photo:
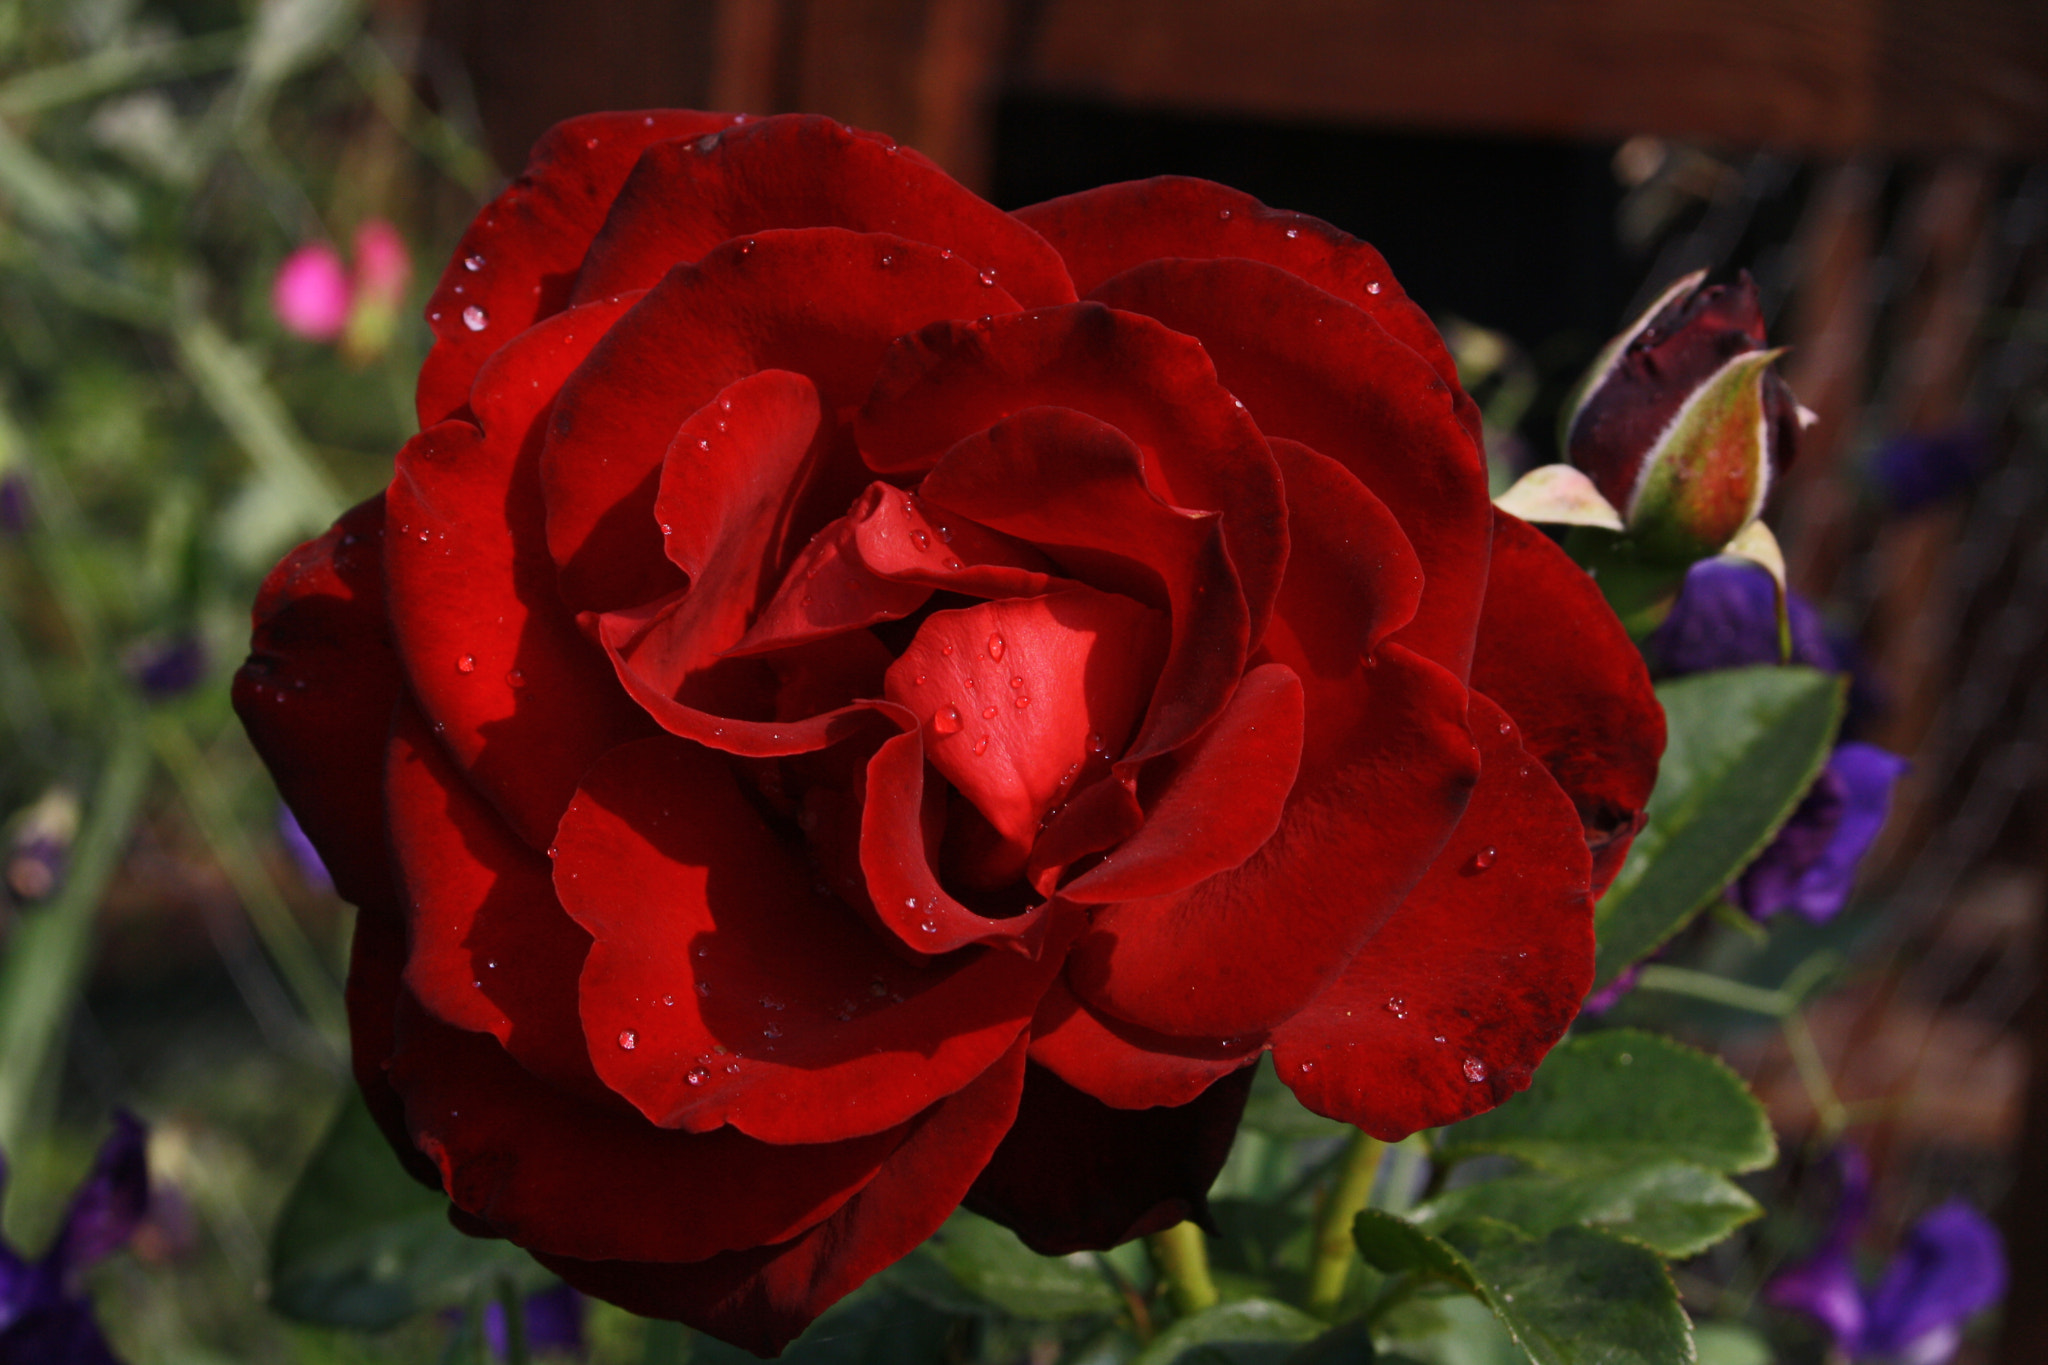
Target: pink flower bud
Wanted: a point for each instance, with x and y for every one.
(1682, 424)
(311, 294)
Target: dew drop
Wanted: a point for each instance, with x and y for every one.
(946, 253)
(910, 902)
(1294, 232)
(1525, 770)
(919, 680)
(704, 988)
(969, 683)
(946, 650)
(988, 713)
(1015, 683)
(466, 664)
(746, 246)
(1096, 745)
(946, 720)
(667, 529)
(981, 745)
(771, 1032)
(1439, 1037)
(732, 1068)
(628, 1039)
(475, 319)
(1397, 1007)
(1224, 214)
(554, 850)
(703, 444)
(590, 144)
(887, 260)
(995, 647)
(1373, 288)
(988, 276)
(1507, 727)
(472, 263)
(1484, 858)
(1023, 702)
(515, 680)
(920, 540)
(1475, 1070)
(707, 142)
(929, 927)
(946, 534)
(696, 1075)
(668, 1000)
(1306, 1067)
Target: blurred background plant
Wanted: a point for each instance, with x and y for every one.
(218, 223)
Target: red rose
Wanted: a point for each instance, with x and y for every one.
(824, 726)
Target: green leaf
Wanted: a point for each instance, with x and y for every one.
(1745, 744)
(988, 1262)
(1246, 1332)
(1348, 1343)
(1622, 1098)
(1728, 1343)
(1575, 1297)
(361, 1244)
(1675, 1209)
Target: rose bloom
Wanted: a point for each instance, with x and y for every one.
(857, 702)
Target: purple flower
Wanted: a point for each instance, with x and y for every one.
(304, 855)
(44, 1313)
(163, 666)
(1951, 1267)
(554, 1322)
(1726, 616)
(1921, 468)
(1610, 995)
(1811, 866)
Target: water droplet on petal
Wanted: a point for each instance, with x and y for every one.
(920, 540)
(472, 263)
(1373, 288)
(554, 850)
(947, 720)
(929, 927)
(1475, 1070)
(704, 988)
(946, 650)
(475, 318)
(696, 1075)
(1397, 1007)
(887, 260)
(771, 1032)
(1224, 214)
(995, 647)
(667, 529)
(707, 142)
(746, 246)
(981, 745)
(1023, 702)
(668, 1000)
(1306, 1067)
(1507, 727)
(732, 1068)
(628, 1039)
(466, 664)
(1439, 1037)
(1016, 682)
(1484, 858)
(910, 902)
(987, 276)
(988, 713)
(919, 680)
(515, 680)
(1294, 232)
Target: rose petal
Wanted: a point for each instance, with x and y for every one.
(1245, 949)
(1221, 799)
(763, 1298)
(1022, 700)
(524, 702)
(1075, 487)
(714, 949)
(1553, 656)
(818, 301)
(515, 264)
(1446, 1011)
(1312, 368)
(1075, 1175)
(562, 1175)
(316, 697)
(490, 950)
(1105, 231)
(804, 171)
(1124, 1066)
(830, 589)
(1159, 389)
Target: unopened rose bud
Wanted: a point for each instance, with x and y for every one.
(1682, 424)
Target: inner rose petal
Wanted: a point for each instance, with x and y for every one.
(1018, 697)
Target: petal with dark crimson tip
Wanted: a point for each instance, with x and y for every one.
(1105, 231)
(726, 987)
(1247, 948)
(1200, 451)
(563, 1175)
(1127, 1067)
(525, 702)
(1076, 1175)
(1446, 1011)
(490, 948)
(803, 171)
(1553, 656)
(316, 697)
(1312, 368)
(516, 263)
(763, 1298)
(816, 301)
(1075, 487)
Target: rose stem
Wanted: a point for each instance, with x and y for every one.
(1334, 1247)
(1182, 1260)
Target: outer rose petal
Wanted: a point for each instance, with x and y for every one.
(566, 1176)
(762, 1298)
(1160, 390)
(527, 242)
(822, 302)
(1446, 1011)
(1127, 1067)
(803, 171)
(525, 703)
(1311, 368)
(715, 951)
(1106, 231)
(1554, 657)
(1076, 1175)
(316, 697)
(491, 950)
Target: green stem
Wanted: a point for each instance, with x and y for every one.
(1182, 1259)
(1813, 1074)
(1718, 990)
(51, 950)
(1334, 1249)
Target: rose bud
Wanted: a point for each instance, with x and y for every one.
(310, 295)
(1682, 424)
(857, 702)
